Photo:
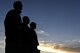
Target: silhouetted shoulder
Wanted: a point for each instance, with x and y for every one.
(10, 13)
(8, 17)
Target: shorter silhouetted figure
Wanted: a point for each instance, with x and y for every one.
(25, 38)
(34, 40)
(29, 41)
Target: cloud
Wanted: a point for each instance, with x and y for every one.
(2, 39)
(42, 32)
(43, 35)
(73, 43)
(2, 46)
(59, 47)
(2, 43)
(2, 33)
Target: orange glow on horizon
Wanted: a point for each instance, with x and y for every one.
(49, 49)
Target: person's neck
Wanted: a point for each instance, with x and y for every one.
(32, 29)
(17, 11)
(25, 24)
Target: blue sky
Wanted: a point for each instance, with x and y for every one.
(59, 19)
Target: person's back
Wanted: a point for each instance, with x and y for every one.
(25, 35)
(34, 39)
(12, 22)
(13, 19)
(12, 25)
(33, 33)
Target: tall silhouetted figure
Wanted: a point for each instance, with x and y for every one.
(34, 40)
(25, 35)
(12, 25)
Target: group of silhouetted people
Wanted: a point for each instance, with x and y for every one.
(20, 34)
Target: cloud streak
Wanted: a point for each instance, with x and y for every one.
(59, 47)
(42, 32)
(2, 44)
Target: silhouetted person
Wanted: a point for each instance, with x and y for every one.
(25, 35)
(29, 37)
(12, 25)
(34, 40)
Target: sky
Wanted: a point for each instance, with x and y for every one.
(58, 21)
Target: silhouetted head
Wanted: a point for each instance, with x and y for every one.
(26, 20)
(17, 5)
(33, 25)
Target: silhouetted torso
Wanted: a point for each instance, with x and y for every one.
(25, 38)
(12, 22)
(34, 39)
(12, 27)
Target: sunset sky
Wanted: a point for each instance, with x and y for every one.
(58, 22)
